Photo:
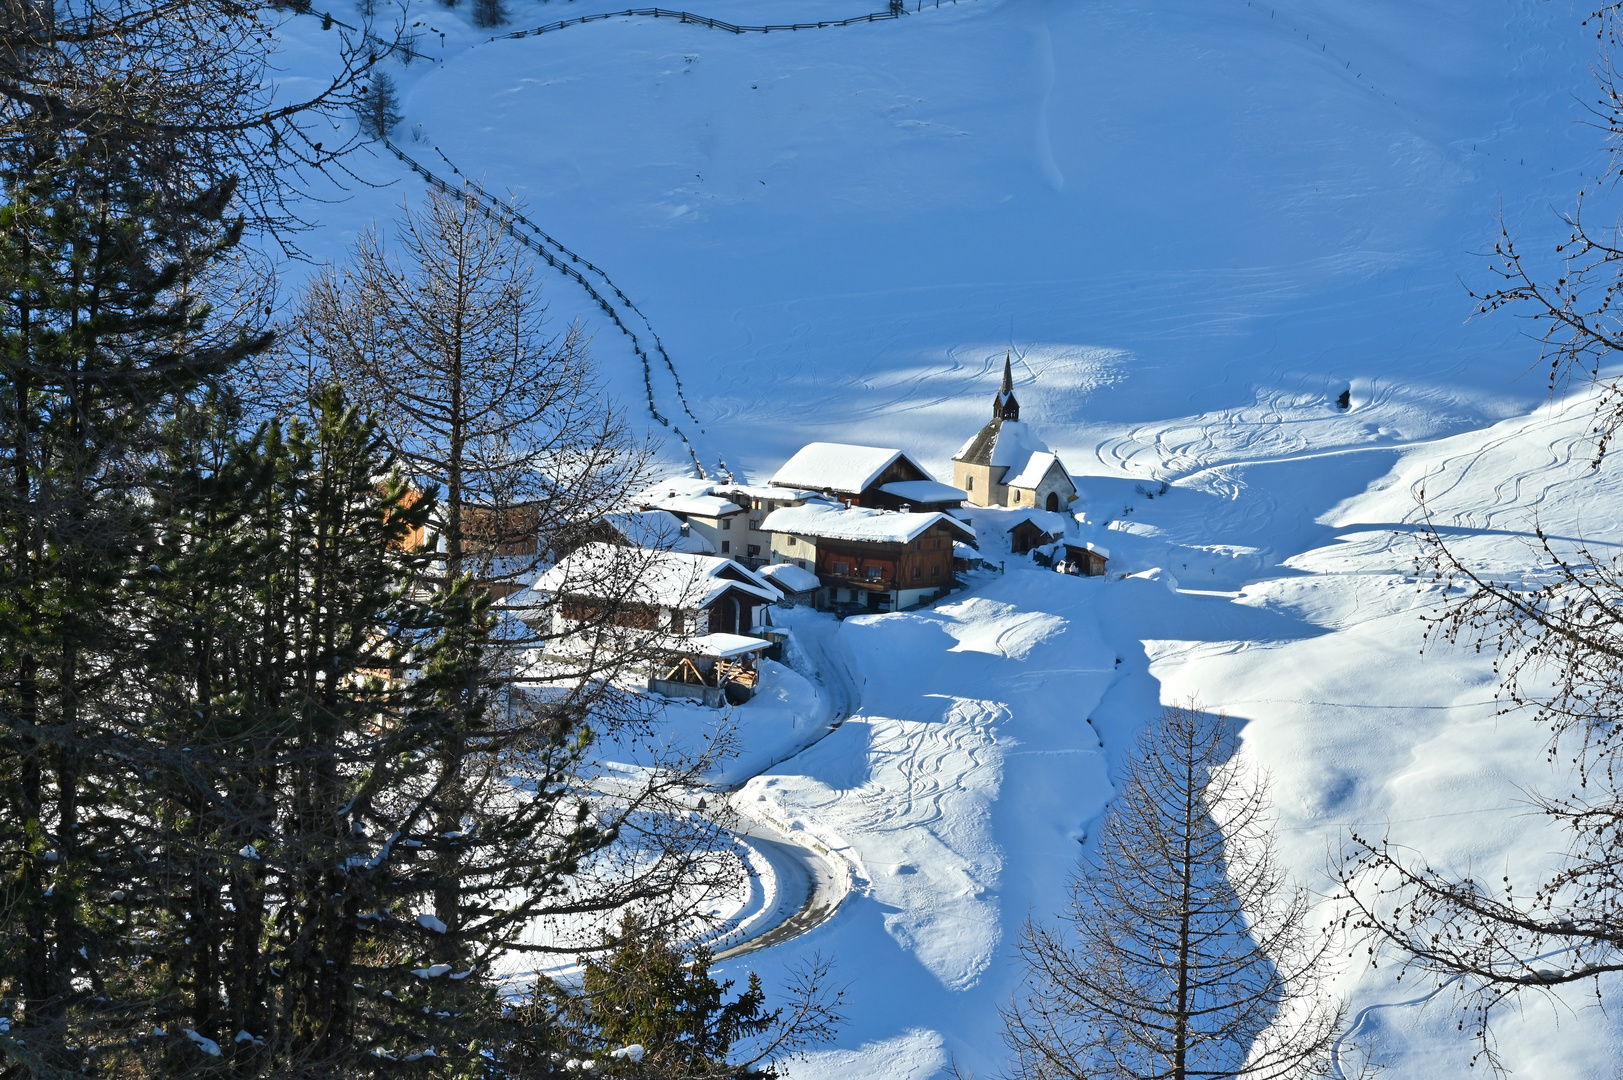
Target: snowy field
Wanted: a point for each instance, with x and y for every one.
(1196, 223)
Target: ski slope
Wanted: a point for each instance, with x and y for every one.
(1195, 223)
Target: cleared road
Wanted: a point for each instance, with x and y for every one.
(806, 870)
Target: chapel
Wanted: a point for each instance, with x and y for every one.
(1006, 464)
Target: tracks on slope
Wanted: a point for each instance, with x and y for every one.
(565, 261)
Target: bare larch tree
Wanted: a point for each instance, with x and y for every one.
(448, 343)
(1183, 951)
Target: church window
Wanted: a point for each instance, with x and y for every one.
(969, 483)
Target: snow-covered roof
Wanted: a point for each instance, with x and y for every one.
(720, 646)
(842, 467)
(789, 577)
(924, 491)
(693, 505)
(1032, 472)
(657, 529)
(673, 486)
(1015, 444)
(670, 579)
(1089, 545)
(858, 523)
(767, 491)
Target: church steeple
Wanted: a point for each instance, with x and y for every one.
(1004, 406)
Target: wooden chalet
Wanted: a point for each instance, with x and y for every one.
(865, 559)
(666, 592)
(870, 476)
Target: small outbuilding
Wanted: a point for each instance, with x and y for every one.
(1027, 534)
(717, 669)
(1085, 559)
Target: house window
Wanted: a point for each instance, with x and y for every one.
(935, 571)
(801, 563)
(918, 572)
(792, 541)
(842, 569)
(969, 483)
(755, 523)
(726, 546)
(726, 523)
(678, 623)
(874, 573)
(754, 551)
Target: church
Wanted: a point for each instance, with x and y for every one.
(1006, 464)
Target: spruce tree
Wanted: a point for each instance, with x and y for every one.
(378, 106)
(488, 13)
(100, 335)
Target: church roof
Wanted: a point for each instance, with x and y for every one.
(978, 450)
(1032, 472)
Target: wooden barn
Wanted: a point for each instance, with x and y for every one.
(1085, 559)
(1027, 534)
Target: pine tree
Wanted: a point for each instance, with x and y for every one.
(1182, 952)
(101, 333)
(378, 106)
(489, 13)
(647, 1007)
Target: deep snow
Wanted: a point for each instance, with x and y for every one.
(1197, 223)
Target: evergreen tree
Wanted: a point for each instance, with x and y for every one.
(489, 13)
(378, 107)
(101, 333)
(647, 1007)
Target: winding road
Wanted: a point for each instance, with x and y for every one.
(810, 880)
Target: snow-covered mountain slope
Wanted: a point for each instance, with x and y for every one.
(1196, 222)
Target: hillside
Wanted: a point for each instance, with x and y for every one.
(1195, 223)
